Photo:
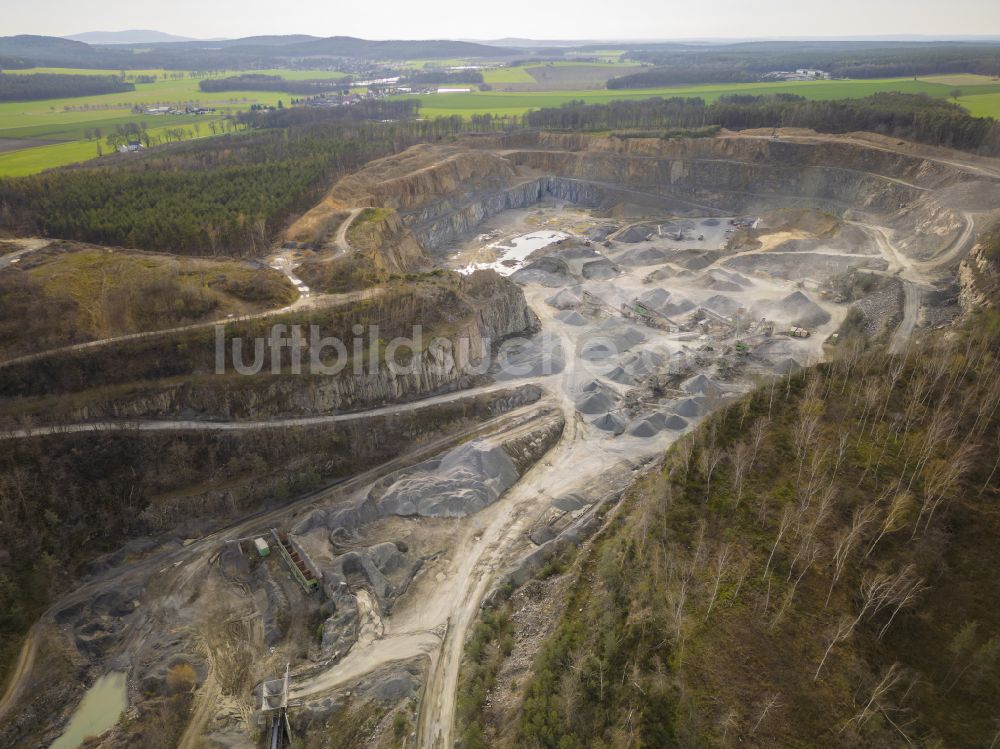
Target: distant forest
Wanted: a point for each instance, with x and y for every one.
(749, 62)
(224, 195)
(913, 116)
(260, 82)
(56, 86)
(253, 53)
(438, 75)
(232, 194)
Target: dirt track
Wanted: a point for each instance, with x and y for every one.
(15, 683)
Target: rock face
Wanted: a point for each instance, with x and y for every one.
(979, 276)
(437, 224)
(389, 244)
(442, 193)
(490, 310)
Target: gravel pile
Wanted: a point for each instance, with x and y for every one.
(568, 298)
(596, 398)
(464, 481)
(610, 422)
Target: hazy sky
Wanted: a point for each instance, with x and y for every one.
(540, 19)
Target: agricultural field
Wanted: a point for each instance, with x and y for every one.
(986, 98)
(557, 76)
(979, 93)
(40, 135)
(52, 133)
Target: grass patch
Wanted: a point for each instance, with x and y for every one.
(72, 293)
(503, 103)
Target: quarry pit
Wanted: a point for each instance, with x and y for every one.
(661, 279)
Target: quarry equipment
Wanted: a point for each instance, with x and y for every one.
(274, 709)
(301, 567)
(636, 310)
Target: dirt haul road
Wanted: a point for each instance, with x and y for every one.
(153, 425)
(186, 565)
(914, 274)
(305, 301)
(434, 618)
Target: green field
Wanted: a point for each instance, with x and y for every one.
(517, 74)
(986, 95)
(58, 126)
(38, 158)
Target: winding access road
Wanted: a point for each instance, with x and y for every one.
(190, 559)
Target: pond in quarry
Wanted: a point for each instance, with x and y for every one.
(99, 709)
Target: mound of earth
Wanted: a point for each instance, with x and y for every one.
(735, 277)
(655, 299)
(571, 317)
(608, 293)
(567, 298)
(801, 310)
(637, 233)
(701, 385)
(596, 398)
(695, 259)
(778, 348)
(600, 270)
(665, 303)
(601, 232)
(649, 426)
(546, 271)
(791, 265)
(609, 422)
(611, 338)
(721, 280)
(536, 356)
(577, 252)
(635, 367)
(679, 305)
(786, 366)
(464, 481)
(640, 256)
(689, 407)
(646, 427)
(662, 274)
(722, 305)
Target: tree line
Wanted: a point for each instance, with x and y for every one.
(914, 116)
(57, 86)
(749, 62)
(833, 529)
(443, 76)
(232, 194)
(260, 82)
(225, 195)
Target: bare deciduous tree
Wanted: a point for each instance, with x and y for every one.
(892, 678)
(941, 480)
(708, 461)
(771, 704)
(740, 459)
(786, 522)
(841, 631)
(720, 568)
(862, 518)
(896, 518)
